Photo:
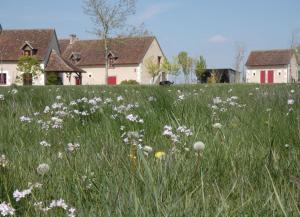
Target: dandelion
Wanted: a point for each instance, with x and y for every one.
(42, 169)
(291, 102)
(6, 209)
(292, 91)
(160, 155)
(217, 126)
(199, 146)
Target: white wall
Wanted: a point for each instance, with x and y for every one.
(280, 74)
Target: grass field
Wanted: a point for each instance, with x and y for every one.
(88, 150)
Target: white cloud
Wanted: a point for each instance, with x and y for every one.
(155, 9)
(218, 39)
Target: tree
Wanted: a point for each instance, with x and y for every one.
(152, 67)
(186, 64)
(28, 66)
(109, 17)
(200, 68)
(172, 68)
(240, 51)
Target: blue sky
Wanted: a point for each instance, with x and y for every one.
(201, 27)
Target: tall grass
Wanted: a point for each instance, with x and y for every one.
(245, 169)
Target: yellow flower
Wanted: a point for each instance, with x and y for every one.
(160, 155)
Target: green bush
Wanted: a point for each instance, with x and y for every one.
(130, 82)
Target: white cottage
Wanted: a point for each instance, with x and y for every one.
(272, 66)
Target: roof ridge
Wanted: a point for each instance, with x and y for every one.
(115, 38)
(282, 49)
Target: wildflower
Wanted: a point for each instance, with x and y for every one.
(291, 102)
(73, 147)
(6, 209)
(147, 150)
(217, 100)
(59, 155)
(160, 155)
(45, 144)
(287, 145)
(58, 203)
(47, 109)
(18, 195)
(132, 118)
(217, 126)
(14, 91)
(3, 161)
(292, 91)
(58, 97)
(42, 169)
(151, 99)
(120, 98)
(199, 146)
(1, 97)
(25, 119)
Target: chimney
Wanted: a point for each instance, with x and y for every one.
(73, 38)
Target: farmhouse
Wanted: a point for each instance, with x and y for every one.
(127, 58)
(272, 66)
(76, 62)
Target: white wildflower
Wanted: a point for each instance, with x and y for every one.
(148, 149)
(14, 91)
(217, 100)
(6, 209)
(292, 91)
(291, 102)
(18, 195)
(47, 109)
(45, 144)
(58, 97)
(120, 98)
(1, 97)
(73, 147)
(25, 119)
(217, 126)
(3, 161)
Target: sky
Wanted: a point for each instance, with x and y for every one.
(210, 28)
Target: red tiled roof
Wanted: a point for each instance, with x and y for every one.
(270, 58)
(57, 64)
(11, 42)
(127, 50)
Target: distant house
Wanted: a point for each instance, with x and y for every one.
(40, 43)
(127, 58)
(222, 75)
(76, 62)
(272, 66)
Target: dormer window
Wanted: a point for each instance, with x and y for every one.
(28, 49)
(75, 57)
(111, 59)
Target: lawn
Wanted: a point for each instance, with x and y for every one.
(129, 151)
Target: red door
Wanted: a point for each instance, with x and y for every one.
(112, 80)
(262, 77)
(78, 80)
(270, 77)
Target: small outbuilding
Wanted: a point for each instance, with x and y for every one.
(221, 75)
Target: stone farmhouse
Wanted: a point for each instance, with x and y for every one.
(272, 66)
(77, 62)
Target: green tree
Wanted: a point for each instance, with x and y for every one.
(200, 68)
(172, 68)
(28, 65)
(186, 64)
(152, 67)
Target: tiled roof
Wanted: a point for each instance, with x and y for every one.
(57, 64)
(127, 50)
(11, 42)
(270, 57)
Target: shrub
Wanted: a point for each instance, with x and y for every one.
(129, 82)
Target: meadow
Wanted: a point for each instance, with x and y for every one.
(130, 151)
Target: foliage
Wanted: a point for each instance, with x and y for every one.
(152, 67)
(200, 67)
(249, 167)
(130, 82)
(28, 65)
(52, 79)
(213, 78)
(186, 64)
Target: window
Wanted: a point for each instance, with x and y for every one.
(111, 62)
(26, 53)
(2, 78)
(279, 73)
(254, 74)
(158, 61)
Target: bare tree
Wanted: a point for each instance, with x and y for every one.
(295, 42)
(240, 51)
(109, 18)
